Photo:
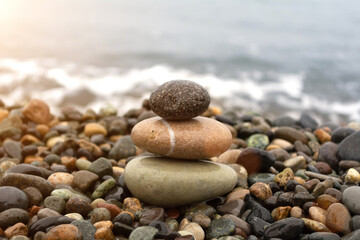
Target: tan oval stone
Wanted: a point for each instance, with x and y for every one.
(261, 191)
(315, 225)
(94, 128)
(237, 193)
(196, 230)
(42, 129)
(170, 182)
(197, 138)
(61, 178)
(52, 141)
(3, 114)
(338, 218)
(281, 143)
(297, 212)
(318, 214)
(229, 156)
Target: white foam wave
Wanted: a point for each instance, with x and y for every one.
(124, 89)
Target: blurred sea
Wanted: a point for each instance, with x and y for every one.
(271, 56)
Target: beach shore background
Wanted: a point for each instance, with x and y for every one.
(272, 57)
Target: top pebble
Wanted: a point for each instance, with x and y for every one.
(179, 100)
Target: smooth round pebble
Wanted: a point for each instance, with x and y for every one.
(197, 138)
(179, 100)
(186, 181)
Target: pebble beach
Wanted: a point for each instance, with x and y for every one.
(176, 168)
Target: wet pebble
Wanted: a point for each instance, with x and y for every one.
(220, 227)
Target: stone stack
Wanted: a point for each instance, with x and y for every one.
(178, 173)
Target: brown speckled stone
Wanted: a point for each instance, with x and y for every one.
(193, 139)
(179, 100)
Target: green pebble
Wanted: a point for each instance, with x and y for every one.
(261, 177)
(219, 228)
(103, 188)
(173, 224)
(82, 164)
(63, 193)
(258, 141)
(301, 173)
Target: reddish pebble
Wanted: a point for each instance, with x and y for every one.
(113, 209)
(63, 231)
(17, 229)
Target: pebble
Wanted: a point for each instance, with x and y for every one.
(340, 134)
(78, 205)
(291, 134)
(11, 197)
(104, 233)
(220, 227)
(328, 153)
(123, 148)
(261, 177)
(100, 214)
(261, 191)
(324, 201)
(352, 176)
(287, 229)
(295, 163)
(61, 178)
(307, 121)
(318, 214)
(323, 236)
(24, 180)
(47, 212)
(17, 229)
(187, 181)
(195, 229)
(65, 194)
(338, 218)
(350, 198)
(101, 167)
(315, 226)
(94, 128)
(37, 111)
(229, 156)
(13, 149)
(144, 233)
(201, 219)
(203, 138)
(113, 209)
(322, 135)
(84, 180)
(283, 177)
(297, 212)
(179, 100)
(234, 207)
(280, 213)
(255, 160)
(103, 188)
(348, 148)
(355, 235)
(323, 167)
(152, 214)
(12, 216)
(63, 231)
(86, 228)
(258, 141)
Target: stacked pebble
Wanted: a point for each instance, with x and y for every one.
(62, 177)
(181, 137)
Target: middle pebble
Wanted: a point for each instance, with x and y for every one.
(197, 138)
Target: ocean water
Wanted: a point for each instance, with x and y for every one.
(270, 56)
